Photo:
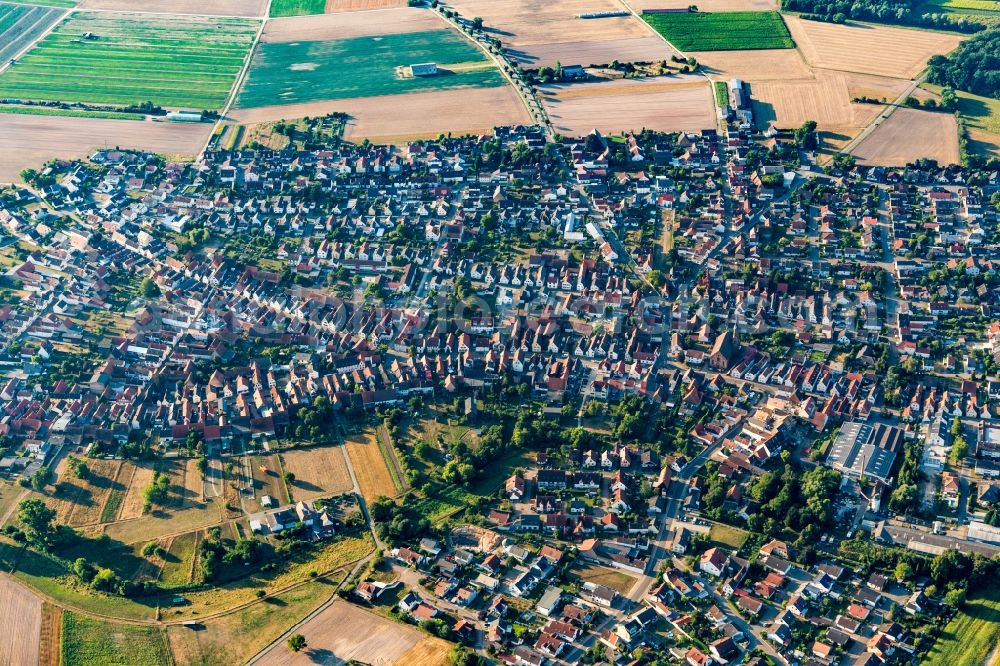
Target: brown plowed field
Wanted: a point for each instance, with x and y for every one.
(30, 141)
(667, 104)
(908, 135)
(464, 111)
(334, 6)
(351, 24)
(868, 49)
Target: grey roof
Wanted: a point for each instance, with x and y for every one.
(865, 450)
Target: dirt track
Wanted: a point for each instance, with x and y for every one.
(30, 141)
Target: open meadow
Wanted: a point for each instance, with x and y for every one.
(971, 637)
(344, 632)
(538, 33)
(30, 141)
(982, 119)
(87, 641)
(245, 8)
(318, 470)
(587, 572)
(722, 31)
(119, 58)
(21, 615)
(20, 25)
(236, 637)
(309, 71)
(667, 104)
(908, 135)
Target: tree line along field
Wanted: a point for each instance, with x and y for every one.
(22, 24)
(172, 61)
(722, 31)
(308, 71)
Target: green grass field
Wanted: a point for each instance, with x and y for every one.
(985, 11)
(69, 113)
(173, 61)
(297, 7)
(91, 642)
(971, 635)
(979, 113)
(362, 67)
(722, 31)
(721, 93)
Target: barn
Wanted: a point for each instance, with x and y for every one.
(424, 69)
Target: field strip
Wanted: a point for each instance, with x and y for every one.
(45, 33)
(238, 84)
(605, 90)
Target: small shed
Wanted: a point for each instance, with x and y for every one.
(424, 69)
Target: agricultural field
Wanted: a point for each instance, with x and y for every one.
(20, 25)
(708, 5)
(762, 65)
(586, 572)
(302, 72)
(21, 618)
(971, 637)
(236, 637)
(297, 7)
(177, 563)
(984, 11)
(334, 6)
(347, 25)
(982, 119)
(245, 8)
(428, 652)
(165, 522)
(172, 61)
(667, 104)
(132, 504)
(369, 466)
(539, 33)
(318, 470)
(867, 48)
(722, 31)
(908, 135)
(344, 632)
(88, 641)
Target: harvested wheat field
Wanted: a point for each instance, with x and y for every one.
(319, 470)
(95, 492)
(133, 502)
(374, 478)
(763, 65)
(30, 141)
(185, 481)
(248, 8)
(334, 6)
(428, 114)
(869, 49)
(665, 104)
(21, 619)
(908, 135)
(428, 652)
(345, 633)
(537, 32)
(51, 635)
(351, 24)
(825, 99)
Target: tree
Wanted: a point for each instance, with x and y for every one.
(289, 477)
(903, 571)
(78, 467)
(148, 288)
(296, 642)
(37, 519)
(41, 478)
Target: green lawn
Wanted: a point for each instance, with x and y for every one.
(362, 67)
(296, 7)
(175, 61)
(91, 642)
(727, 536)
(971, 635)
(722, 31)
(721, 93)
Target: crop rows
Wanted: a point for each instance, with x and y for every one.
(722, 31)
(132, 58)
(20, 25)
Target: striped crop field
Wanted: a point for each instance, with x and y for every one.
(20, 25)
(123, 58)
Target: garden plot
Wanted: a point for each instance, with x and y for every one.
(666, 104)
(119, 58)
(911, 134)
(868, 49)
(539, 33)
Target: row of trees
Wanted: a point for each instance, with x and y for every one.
(973, 66)
(901, 12)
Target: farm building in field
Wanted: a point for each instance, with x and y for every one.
(424, 69)
(185, 116)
